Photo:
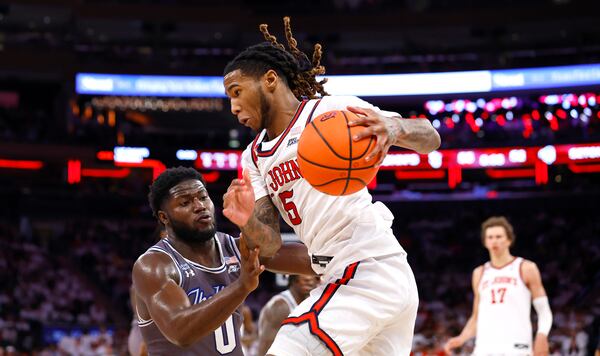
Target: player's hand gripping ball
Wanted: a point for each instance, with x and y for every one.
(330, 160)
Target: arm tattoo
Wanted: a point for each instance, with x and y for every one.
(417, 135)
(262, 229)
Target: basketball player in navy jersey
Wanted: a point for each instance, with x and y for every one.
(189, 285)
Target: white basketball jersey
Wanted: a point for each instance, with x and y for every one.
(286, 296)
(503, 322)
(326, 224)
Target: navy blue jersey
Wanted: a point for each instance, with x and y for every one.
(200, 283)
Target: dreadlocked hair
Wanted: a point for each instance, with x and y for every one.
(298, 71)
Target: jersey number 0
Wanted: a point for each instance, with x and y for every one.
(225, 337)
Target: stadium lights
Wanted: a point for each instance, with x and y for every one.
(465, 158)
(547, 154)
(401, 159)
(481, 81)
(435, 159)
(186, 155)
(579, 153)
(130, 154)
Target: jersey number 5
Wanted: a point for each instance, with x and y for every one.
(290, 207)
(498, 295)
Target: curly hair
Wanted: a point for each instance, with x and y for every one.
(297, 70)
(159, 190)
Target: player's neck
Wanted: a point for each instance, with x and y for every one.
(502, 259)
(204, 253)
(281, 112)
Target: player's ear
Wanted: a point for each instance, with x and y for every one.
(164, 219)
(270, 80)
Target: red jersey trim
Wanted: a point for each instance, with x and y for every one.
(505, 265)
(312, 112)
(311, 317)
(256, 147)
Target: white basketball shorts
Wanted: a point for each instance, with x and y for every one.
(367, 308)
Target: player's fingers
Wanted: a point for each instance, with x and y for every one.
(356, 110)
(246, 176)
(379, 162)
(243, 244)
(357, 121)
(360, 111)
(227, 213)
(367, 132)
(253, 256)
(376, 151)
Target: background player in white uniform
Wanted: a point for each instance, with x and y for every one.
(368, 301)
(279, 307)
(504, 288)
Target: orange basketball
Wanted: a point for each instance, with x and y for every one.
(330, 160)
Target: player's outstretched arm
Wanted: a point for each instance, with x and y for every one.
(533, 280)
(417, 135)
(154, 280)
(269, 325)
(258, 221)
(470, 329)
(292, 258)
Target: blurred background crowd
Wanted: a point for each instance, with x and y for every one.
(73, 219)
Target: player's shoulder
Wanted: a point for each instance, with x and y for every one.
(479, 269)
(339, 102)
(153, 258)
(154, 264)
(278, 305)
(224, 236)
(478, 272)
(528, 266)
(226, 239)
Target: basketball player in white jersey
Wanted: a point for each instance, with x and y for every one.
(279, 307)
(504, 289)
(369, 299)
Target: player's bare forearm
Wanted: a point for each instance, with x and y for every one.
(416, 134)
(470, 330)
(262, 229)
(193, 323)
(189, 324)
(292, 258)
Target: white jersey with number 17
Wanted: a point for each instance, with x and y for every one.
(503, 320)
(328, 225)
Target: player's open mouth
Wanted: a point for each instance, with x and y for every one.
(203, 219)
